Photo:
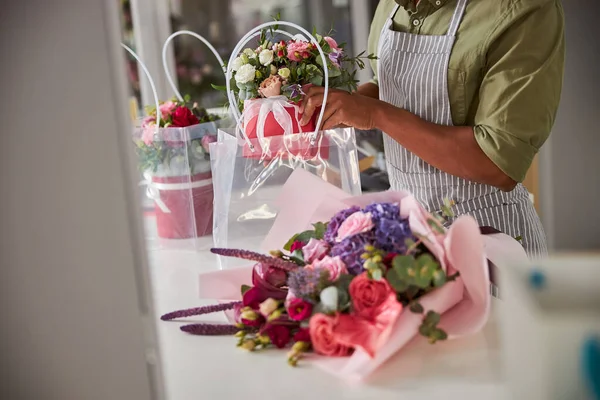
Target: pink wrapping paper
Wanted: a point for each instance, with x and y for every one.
(464, 303)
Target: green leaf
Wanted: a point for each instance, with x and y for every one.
(436, 335)
(416, 308)
(432, 318)
(439, 278)
(396, 282)
(404, 266)
(320, 229)
(221, 88)
(377, 274)
(425, 330)
(245, 288)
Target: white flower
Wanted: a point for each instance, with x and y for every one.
(329, 298)
(284, 73)
(268, 306)
(300, 38)
(237, 63)
(266, 57)
(250, 53)
(245, 74)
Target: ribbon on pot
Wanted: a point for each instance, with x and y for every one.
(261, 108)
(154, 188)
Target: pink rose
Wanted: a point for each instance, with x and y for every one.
(299, 310)
(270, 87)
(368, 295)
(323, 338)
(334, 265)
(166, 109)
(207, 140)
(315, 250)
(359, 222)
(331, 42)
(298, 50)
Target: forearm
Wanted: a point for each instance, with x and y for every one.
(452, 149)
(369, 89)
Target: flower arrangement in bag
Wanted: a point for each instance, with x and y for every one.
(282, 68)
(172, 145)
(344, 285)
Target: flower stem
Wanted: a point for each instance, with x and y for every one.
(210, 329)
(261, 258)
(199, 311)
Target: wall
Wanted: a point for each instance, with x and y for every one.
(570, 162)
(70, 314)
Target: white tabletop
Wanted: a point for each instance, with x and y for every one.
(197, 367)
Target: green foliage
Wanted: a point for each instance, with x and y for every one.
(317, 233)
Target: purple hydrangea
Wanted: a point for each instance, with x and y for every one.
(391, 231)
(336, 221)
(350, 250)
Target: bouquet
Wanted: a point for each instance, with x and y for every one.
(358, 287)
(269, 82)
(174, 157)
(170, 149)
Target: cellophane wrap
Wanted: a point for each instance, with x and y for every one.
(176, 185)
(248, 188)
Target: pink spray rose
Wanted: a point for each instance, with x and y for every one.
(298, 50)
(323, 337)
(359, 222)
(315, 250)
(270, 87)
(334, 265)
(148, 130)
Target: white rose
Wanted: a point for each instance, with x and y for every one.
(250, 53)
(284, 73)
(266, 57)
(245, 74)
(237, 63)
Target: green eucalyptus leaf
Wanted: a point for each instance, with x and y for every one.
(425, 330)
(377, 274)
(320, 229)
(416, 308)
(439, 278)
(395, 281)
(432, 318)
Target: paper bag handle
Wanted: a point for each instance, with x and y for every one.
(152, 86)
(164, 57)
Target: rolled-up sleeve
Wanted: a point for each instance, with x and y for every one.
(521, 87)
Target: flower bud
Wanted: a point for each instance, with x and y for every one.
(264, 340)
(273, 69)
(274, 315)
(284, 73)
(248, 345)
(258, 74)
(240, 334)
(245, 59)
(299, 347)
(249, 315)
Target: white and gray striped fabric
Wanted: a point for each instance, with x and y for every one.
(413, 75)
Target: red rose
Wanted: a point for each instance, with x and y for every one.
(182, 117)
(323, 338)
(279, 335)
(299, 310)
(303, 335)
(368, 295)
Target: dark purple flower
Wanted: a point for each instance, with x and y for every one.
(336, 221)
(253, 297)
(303, 335)
(351, 249)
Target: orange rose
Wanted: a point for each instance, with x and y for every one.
(270, 87)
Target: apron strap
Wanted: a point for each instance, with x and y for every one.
(457, 17)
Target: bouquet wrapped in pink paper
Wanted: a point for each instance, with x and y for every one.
(359, 287)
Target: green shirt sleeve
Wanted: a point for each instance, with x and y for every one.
(521, 87)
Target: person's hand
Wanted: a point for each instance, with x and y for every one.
(342, 108)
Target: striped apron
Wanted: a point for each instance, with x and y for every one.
(413, 75)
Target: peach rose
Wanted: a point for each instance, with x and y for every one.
(359, 222)
(270, 87)
(368, 295)
(321, 328)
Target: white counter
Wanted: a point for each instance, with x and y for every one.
(197, 367)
